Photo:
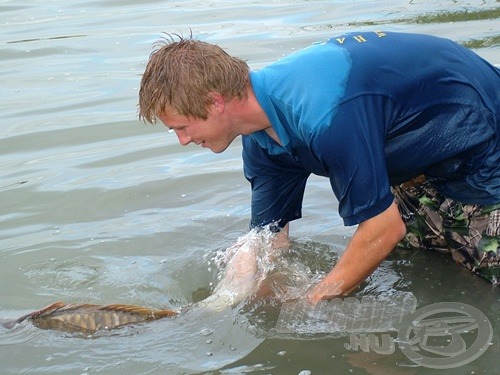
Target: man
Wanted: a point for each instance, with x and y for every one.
(405, 126)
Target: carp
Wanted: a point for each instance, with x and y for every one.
(243, 279)
(89, 318)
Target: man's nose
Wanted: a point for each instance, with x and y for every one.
(184, 139)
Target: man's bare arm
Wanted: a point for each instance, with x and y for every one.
(372, 242)
(243, 276)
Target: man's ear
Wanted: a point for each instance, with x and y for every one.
(218, 101)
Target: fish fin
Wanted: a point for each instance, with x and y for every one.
(132, 309)
(47, 310)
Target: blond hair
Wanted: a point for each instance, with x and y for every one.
(181, 74)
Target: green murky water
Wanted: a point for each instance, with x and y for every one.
(96, 207)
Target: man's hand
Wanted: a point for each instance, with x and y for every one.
(372, 242)
(243, 273)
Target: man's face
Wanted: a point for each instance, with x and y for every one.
(214, 133)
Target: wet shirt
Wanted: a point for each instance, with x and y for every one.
(370, 110)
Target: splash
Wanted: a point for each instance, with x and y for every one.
(260, 267)
(246, 264)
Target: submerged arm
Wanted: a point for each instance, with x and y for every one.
(243, 275)
(372, 242)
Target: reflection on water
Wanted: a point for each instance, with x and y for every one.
(99, 208)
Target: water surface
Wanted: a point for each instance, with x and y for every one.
(97, 207)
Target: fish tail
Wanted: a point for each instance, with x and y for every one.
(9, 324)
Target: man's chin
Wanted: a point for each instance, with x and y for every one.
(217, 149)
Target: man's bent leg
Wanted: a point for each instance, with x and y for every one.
(471, 233)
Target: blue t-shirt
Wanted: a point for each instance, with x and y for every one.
(371, 110)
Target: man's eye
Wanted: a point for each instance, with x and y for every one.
(171, 131)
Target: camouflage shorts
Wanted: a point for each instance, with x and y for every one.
(471, 233)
